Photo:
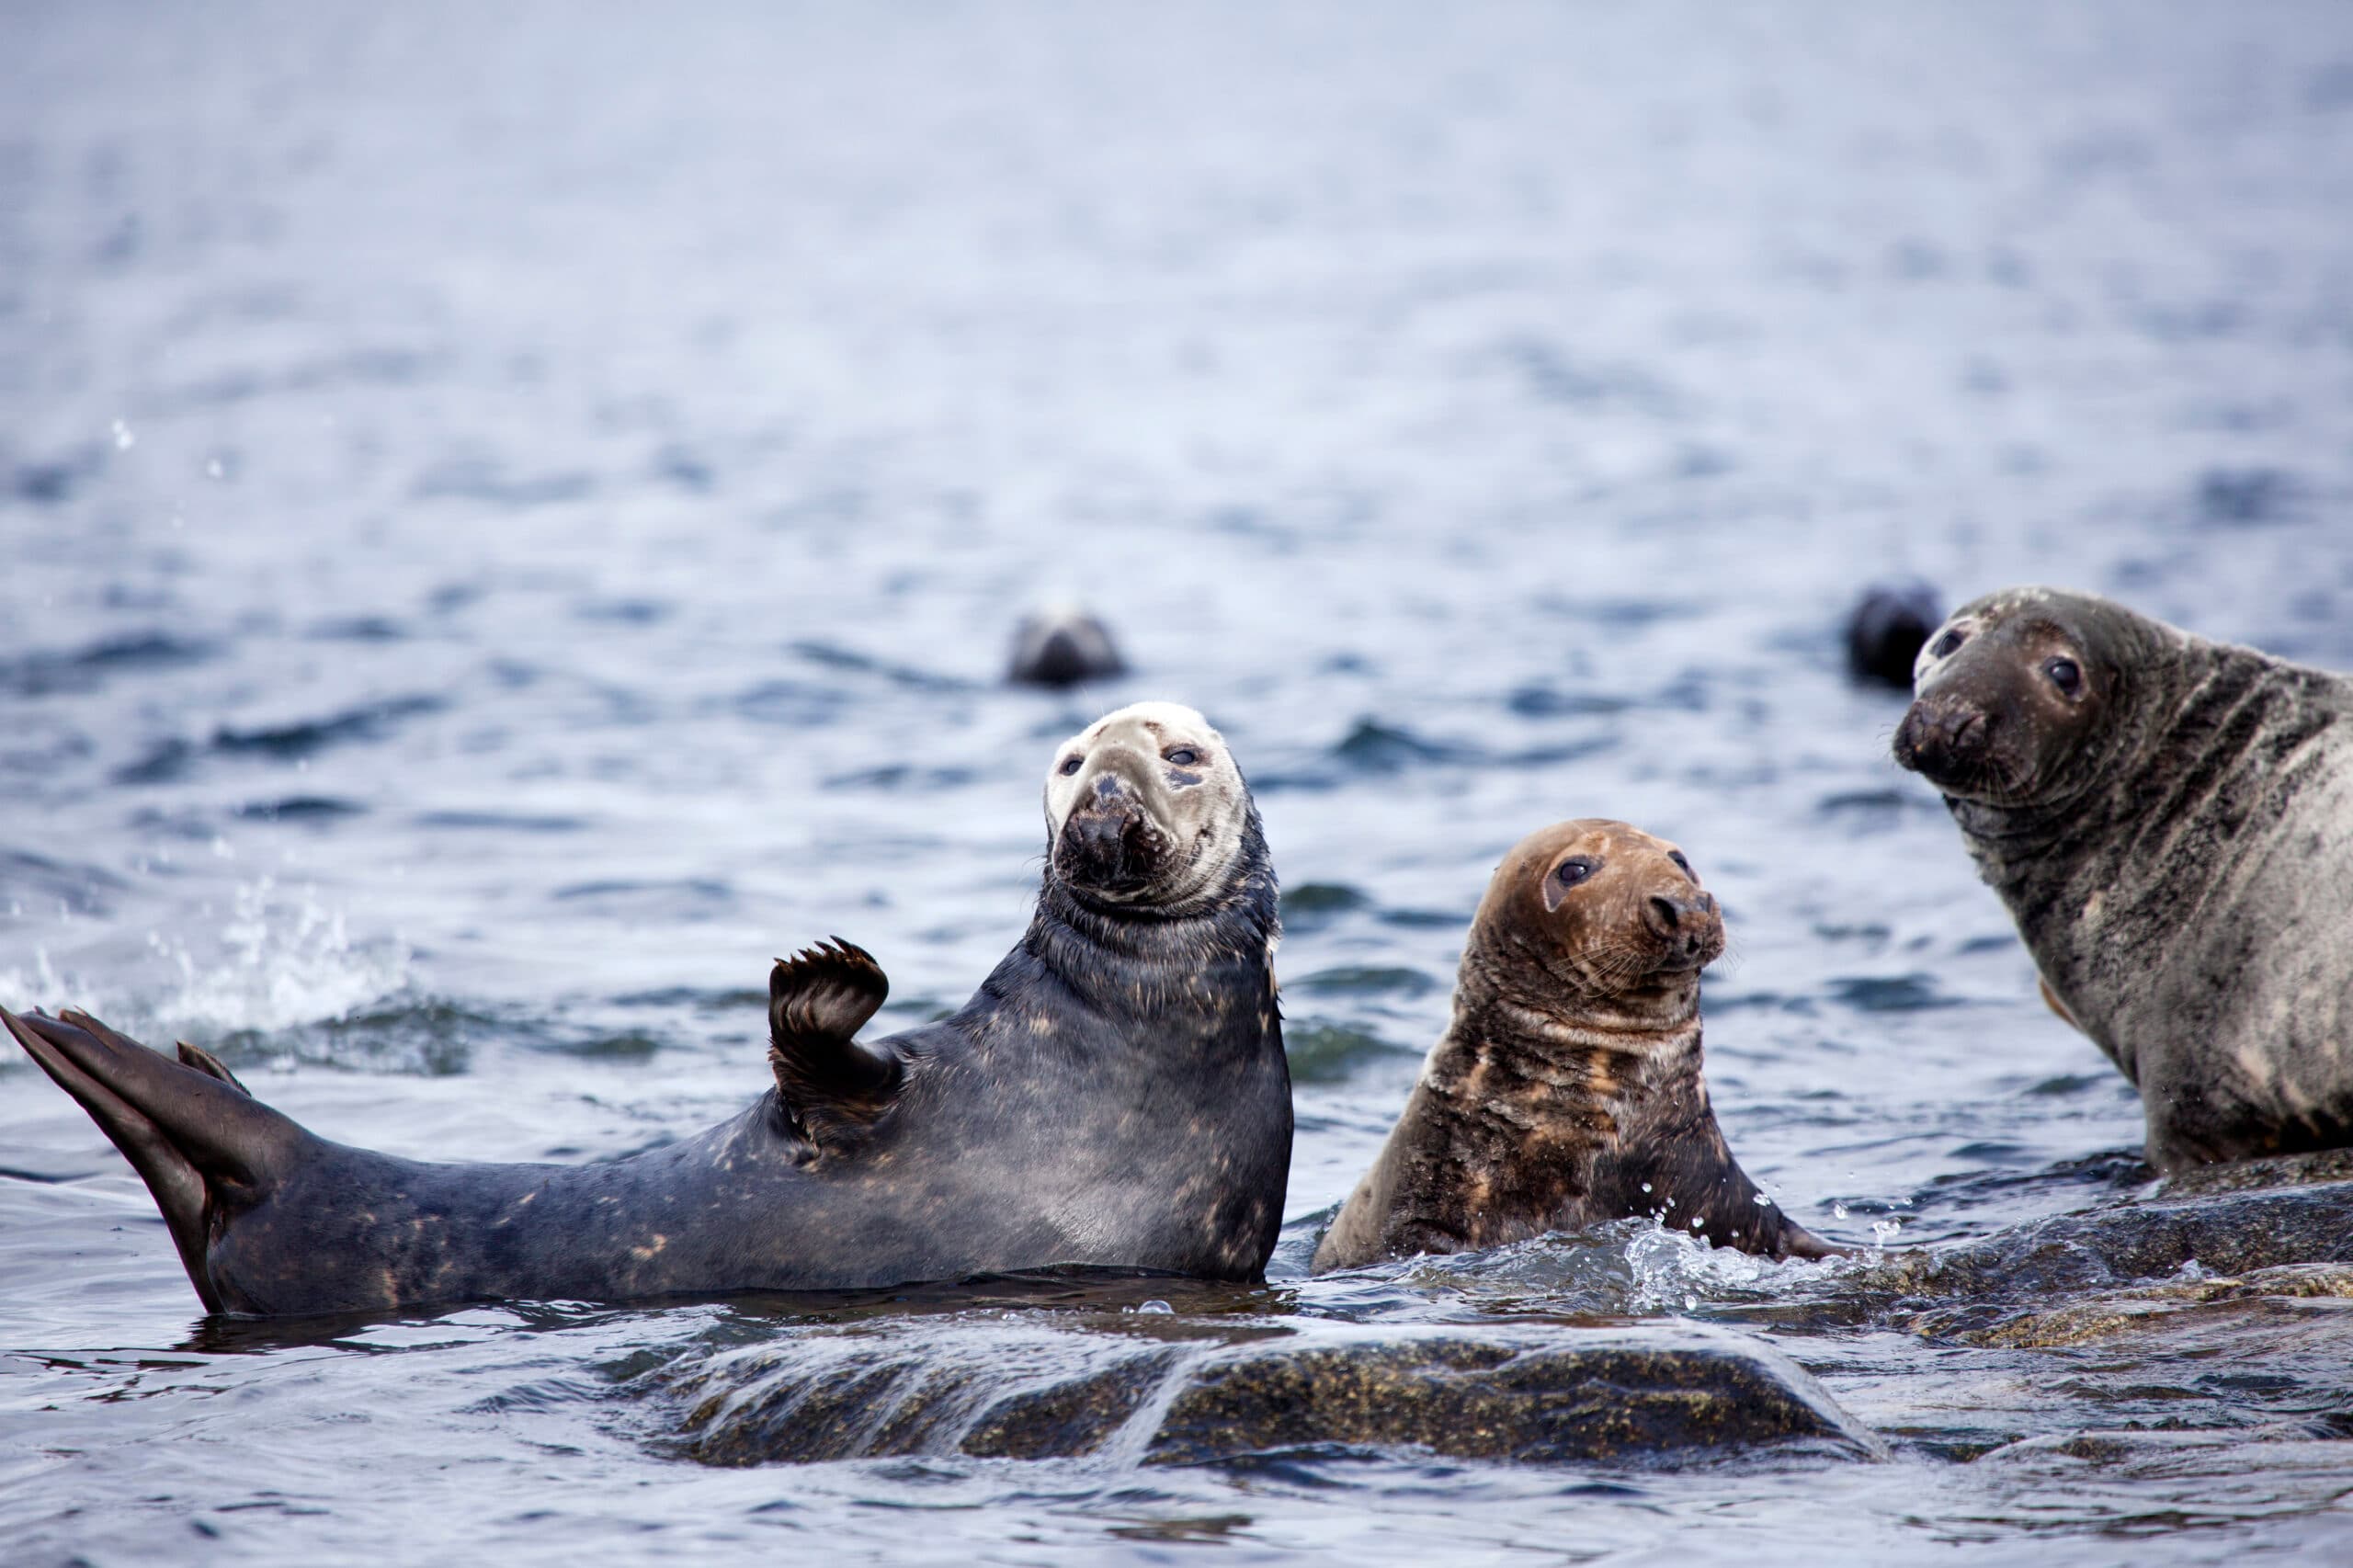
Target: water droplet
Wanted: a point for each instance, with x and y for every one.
(1155, 1306)
(123, 439)
(1646, 1186)
(1691, 1303)
(1884, 1231)
(1839, 1210)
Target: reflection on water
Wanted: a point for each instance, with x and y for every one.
(515, 521)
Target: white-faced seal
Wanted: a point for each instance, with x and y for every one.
(2170, 822)
(1062, 646)
(1567, 1091)
(1115, 1094)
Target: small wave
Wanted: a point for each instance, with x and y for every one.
(1324, 1052)
(1891, 992)
(1311, 906)
(1363, 978)
(300, 807)
(502, 821)
(302, 737)
(47, 671)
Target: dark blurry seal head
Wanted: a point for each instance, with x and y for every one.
(1114, 1095)
(1568, 1092)
(2170, 822)
(1061, 646)
(1889, 627)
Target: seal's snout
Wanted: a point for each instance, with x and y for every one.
(1110, 843)
(1689, 927)
(1944, 739)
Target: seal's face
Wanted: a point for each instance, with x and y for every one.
(1146, 808)
(1601, 905)
(2008, 696)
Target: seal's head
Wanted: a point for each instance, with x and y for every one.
(1146, 809)
(2012, 694)
(1599, 908)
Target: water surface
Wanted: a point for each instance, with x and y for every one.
(511, 523)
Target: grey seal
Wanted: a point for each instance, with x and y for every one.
(1062, 646)
(2170, 822)
(1114, 1095)
(1567, 1091)
(1887, 630)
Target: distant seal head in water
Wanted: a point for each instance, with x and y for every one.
(1567, 1092)
(2170, 822)
(1062, 646)
(1114, 1095)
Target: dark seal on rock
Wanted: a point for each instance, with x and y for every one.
(2170, 822)
(1888, 629)
(1115, 1094)
(1568, 1091)
(1060, 647)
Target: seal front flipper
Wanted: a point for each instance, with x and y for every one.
(830, 1087)
(200, 1141)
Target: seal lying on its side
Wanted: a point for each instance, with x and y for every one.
(2170, 822)
(1567, 1091)
(1115, 1093)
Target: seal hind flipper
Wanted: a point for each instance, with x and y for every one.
(818, 1000)
(203, 1060)
(187, 1133)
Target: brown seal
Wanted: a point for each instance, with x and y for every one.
(2170, 822)
(1568, 1091)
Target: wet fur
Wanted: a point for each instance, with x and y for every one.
(2179, 862)
(1568, 1090)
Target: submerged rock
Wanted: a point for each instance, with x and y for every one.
(1523, 1394)
(1541, 1397)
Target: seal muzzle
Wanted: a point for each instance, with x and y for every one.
(1112, 843)
(1946, 740)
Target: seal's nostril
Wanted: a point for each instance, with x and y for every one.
(1666, 913)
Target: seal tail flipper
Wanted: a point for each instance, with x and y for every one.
(187, 1133)
(203, 1060)
(818, 1000)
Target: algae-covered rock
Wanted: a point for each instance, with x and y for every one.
(1528, 1394)
(1539, 1397)
(989, 1390)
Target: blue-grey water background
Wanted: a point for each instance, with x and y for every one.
(510, 518)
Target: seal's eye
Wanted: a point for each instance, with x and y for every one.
(1952, 639)
(1571, 872)
(2066, 675)
(1183, 756)
(1677, 856)
(1070, 765)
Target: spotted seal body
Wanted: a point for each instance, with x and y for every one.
(1567, 1092)
(2170, 822)
(1115, 1093)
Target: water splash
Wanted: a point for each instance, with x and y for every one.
(285, 959)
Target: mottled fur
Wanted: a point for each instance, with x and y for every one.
(2175, 840)
(1568, 1091)
(1115, 1093)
